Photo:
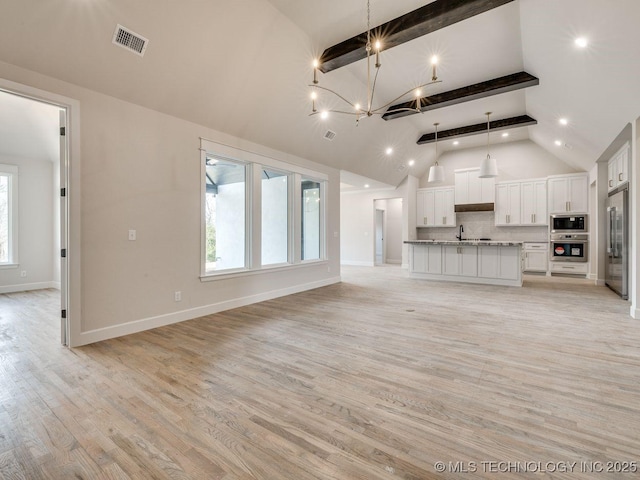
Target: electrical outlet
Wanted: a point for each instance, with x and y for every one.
(177, 296)
(132, 234)
(23, 273)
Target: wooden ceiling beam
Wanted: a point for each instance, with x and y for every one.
(422, 21)
(508, 83)
(495, 125)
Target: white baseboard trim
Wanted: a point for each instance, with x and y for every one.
(394, 261)
(136, 326)
(25, 287)
(634, 312)
(600, 282)
(405, 266)
(356, 264)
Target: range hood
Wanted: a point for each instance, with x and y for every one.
(475, 207)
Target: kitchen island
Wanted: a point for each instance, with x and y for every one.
(470, 261)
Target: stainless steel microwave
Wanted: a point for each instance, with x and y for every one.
(564, 223)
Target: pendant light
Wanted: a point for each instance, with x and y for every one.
(488, 167)
(436, 172)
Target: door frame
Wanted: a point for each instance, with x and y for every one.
(383, 228)
(70, 181)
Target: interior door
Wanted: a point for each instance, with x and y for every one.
(64, 321)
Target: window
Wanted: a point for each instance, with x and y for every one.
(275, 217)
(225, 221)
(259, 214)
(311, 219)
(8, 214)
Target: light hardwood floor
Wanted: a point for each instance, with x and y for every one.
(378, 377)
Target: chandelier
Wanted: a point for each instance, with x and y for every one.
(368, 110)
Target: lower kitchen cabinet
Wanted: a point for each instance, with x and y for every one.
(427, 259)
(536, 256)
(499, 262)
(490, 264)
(460, 260)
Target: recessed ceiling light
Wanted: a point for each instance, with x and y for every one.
(581, 42)
(412, 163)
(366, 185)
(324, 115)
(389, 151)
(456, 142)
(505, 134)
(563, 121)
(558, 143)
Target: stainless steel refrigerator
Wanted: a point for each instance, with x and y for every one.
(617, 265)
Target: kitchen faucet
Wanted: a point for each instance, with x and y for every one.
(459, 237)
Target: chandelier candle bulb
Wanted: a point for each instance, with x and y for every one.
(434, 62)
(372, 75)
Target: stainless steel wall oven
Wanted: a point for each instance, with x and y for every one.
(573, 247)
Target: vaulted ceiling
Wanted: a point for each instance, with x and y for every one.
(243, 67)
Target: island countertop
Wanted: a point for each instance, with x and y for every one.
(470, 241)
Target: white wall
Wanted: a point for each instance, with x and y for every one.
(357, 224)
(516, 161)
(35, 227)
(140, 169)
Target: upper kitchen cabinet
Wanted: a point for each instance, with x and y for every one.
(508, 206)
(521, 203)
(534, 203)
(619, 168)
(435, 207)
(472, 189)
(568, 193)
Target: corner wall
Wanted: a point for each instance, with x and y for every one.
(140, 169)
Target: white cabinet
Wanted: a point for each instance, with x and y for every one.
(536, 256)
(534, 203)
(460, 260)
(499, 262)
(619, 168)
(521, 203)
(508, 206)
(466, 262)
(568, 193)
(426, 259)
(435, 207)
(469, 188)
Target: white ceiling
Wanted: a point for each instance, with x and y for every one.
(243, 68)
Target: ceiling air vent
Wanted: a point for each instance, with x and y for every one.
(329, 135)
(133, 42)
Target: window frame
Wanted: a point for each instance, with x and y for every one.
(255, 163)
(290, 217)
(247, 220)
(322, 252)
(12, 174)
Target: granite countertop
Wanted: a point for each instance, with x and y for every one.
(470, 241)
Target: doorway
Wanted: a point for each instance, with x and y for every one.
(34, 142)
(387, 231)
(380, 250)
